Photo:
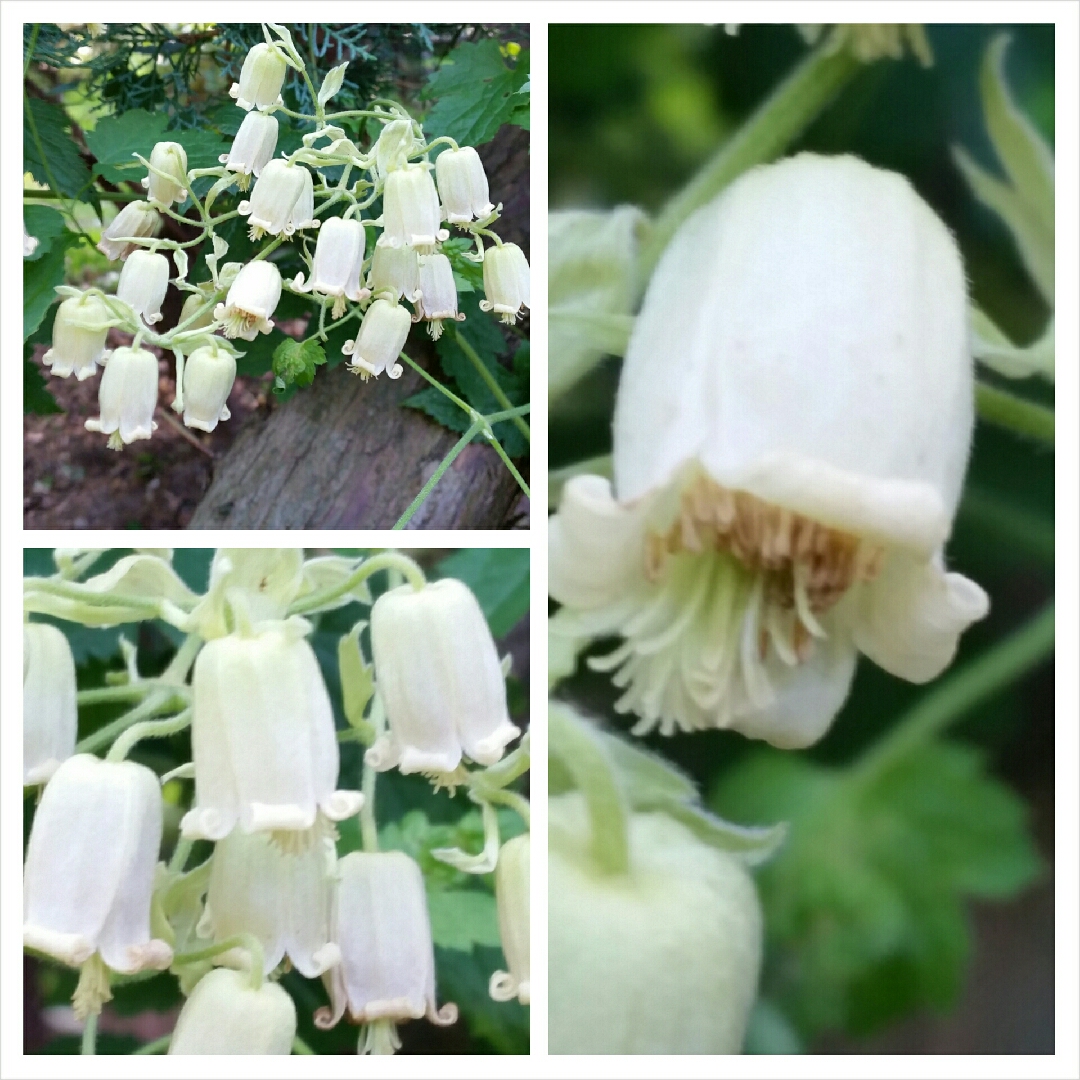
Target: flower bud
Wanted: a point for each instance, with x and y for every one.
(225, 1014)
(506, 281)
(253, 146)
(395, 270)
(261, 78)
(440, 680)
(382, 336)
(127, 397)
(78, 336)
(512, 897)
(90, 866)
(438, 293)
(208, 378)
(195, 302)
(339, 257)
(387, 969)
(143, 283)
(282, 200)
(396, 142)
(463, 185)
(135, 219)
(263, 739)
(252, 298)
(50, 709)
(663, 959)
(283, 898)
(169, 158)
(411, 210)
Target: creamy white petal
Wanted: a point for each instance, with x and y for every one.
(50, 708)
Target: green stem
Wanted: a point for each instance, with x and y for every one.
(180, 854)
(504, 772)
(158, 1046)
(249, 942)
(517, 802)
(89, 1035)
(300, 1047)
(385, 560)
(510, 465)
(978, 681)
(1009, 411)
(369, 832)
(156, 703)
(126, 692)
(784, 114)
(147, 729)
(490, 381)
(438, 385)
(437, 475)
(177, 671)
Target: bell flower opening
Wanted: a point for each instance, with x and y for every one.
(79, 331)
(411, 213)
(127, 397)
(251, 300)
(282, 200)
(506, 282)
(463, 185)
(438, 298)
(209, 373)
(383, 332)
(783, 504)
(339, 258)
(50, 709)
(143, 283)
(395, 271)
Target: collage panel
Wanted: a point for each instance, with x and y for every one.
(276, 276)
(802, 550)
(276, 801)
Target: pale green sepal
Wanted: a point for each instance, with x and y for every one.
(332, 83)
(332, 571)
(996, 351)
(357, 683)
(751, 845)
(485, 862)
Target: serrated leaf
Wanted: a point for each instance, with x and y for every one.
(44, 224)
(441, 409)
(50, 153)
(40, 279)
(295, 361)
(499, 578)
(462, 918)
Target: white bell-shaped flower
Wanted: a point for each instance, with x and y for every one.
(411, 210)
(512, 898)
(506, 281)
(251, 300)
(143, 283)
(127, 397)
(263, 740)
(387, 969)
(78, 336)
(253, 145)
(209, 373)
(396, 271)
(169, 158)
(302, 215)
(283, 898)
(90, 866)
(339, 258)
(282, 195)
(50, 709)
(440, 680)
(463, 185)
(783, 494)
(225, 1014)
(134, 220)
(663, 959)
(261, 78)
(383, 331)
(396, 143)
(438, 294)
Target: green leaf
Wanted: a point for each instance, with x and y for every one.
(116, 138)
(475, 91)
(463, 978)
(295, 361)
(500, 579)
(50, 153)
(36, 399)
(44, 224)
(462, 918)
(441, 409)
(864, 904)
(259, 354)
(40, 279)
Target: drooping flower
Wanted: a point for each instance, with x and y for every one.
(283, 898)
(263, 739)
(127, 397)
(78, 336)
(396, 143)
(251, 300)
(506, 281)
(134, 220)
(463, 185)
(382, 336)
(253, 146)
(438, 293)
(662, 959)
(791, 433)
(302, 215)
(396, 271)
(261, 78)
(339, 258)
(143, 283)
(209, 373)
(440, 679)
(512, 897)
(225, 1014)
(282, 200)
(169, 158)
(387, 969)
(411, 210)
(50, 710)
(90, 866)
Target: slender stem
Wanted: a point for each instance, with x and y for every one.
(786, 112)
(89, 1035)
(158, 702)
(437, 475)
(248, 942)
(126, 692)
(490, 381)
(1009, 411)
(180, 854)
(180, 665)
(516, 801)
(438, 385)
(505, 772)
(147, 729)
(994, 670)
(385, 560)
(369, 832)
(510, 465)
(158, 1046)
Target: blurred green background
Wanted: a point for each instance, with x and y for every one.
(880, 951)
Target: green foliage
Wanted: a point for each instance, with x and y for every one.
(36, 398)
(500, 579)
(463, 978)
(40, 279)
(46, 225)
(865, 902)
(50, 152)
(476, 93)
(295, 362)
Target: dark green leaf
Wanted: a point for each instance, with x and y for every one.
(36, 398)
(462, 918)
(117, 137)
(49, 151)
(441, 409)
(44, 224)
(500, 579)
(463, 978)
(295, 361)
(40, 279)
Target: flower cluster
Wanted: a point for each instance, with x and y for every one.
(274, 893)
(421, 185)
